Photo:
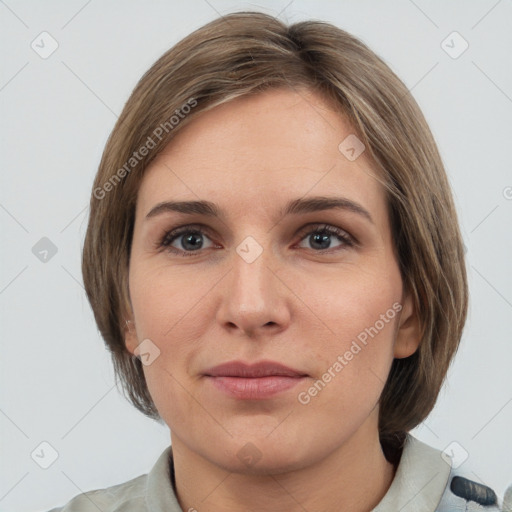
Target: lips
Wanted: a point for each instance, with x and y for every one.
(256, 370)
(258, 381)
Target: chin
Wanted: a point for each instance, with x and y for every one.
(274, 464)
(253, 455)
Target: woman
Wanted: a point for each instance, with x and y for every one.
(274, 260)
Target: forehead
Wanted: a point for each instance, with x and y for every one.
(257, 152)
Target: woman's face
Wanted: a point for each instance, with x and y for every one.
(316, 289)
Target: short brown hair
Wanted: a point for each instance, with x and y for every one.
(246, 53)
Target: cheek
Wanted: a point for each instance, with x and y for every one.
(350, 306)
(366, 320)
(166, 312)
(167, 303)
(352, 369)
(352, 346)
(169, 311)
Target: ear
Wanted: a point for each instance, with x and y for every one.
(130, 336)
(408, 334)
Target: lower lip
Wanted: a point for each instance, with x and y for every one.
(257, 388)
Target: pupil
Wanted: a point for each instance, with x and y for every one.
(321, 237)
(190, 239)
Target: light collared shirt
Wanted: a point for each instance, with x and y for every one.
(424, 482)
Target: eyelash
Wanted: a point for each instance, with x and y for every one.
(170, 236)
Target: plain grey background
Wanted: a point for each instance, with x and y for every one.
(57, 111)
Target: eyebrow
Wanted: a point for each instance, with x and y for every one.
(294, 207)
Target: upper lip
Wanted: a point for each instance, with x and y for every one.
(259, 369)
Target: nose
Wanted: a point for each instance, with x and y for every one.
(254, 299)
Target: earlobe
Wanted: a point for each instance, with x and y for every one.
(408, 335)
(130, 336)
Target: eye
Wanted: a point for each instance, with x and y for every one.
(189, 240)
(320, 237)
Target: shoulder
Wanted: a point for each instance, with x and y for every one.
(463, 492)
(128, 497)
(152, 491)
(428, 480)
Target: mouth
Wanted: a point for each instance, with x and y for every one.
(258, 381)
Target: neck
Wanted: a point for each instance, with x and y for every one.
(355, 477)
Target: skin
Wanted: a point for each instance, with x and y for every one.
(294, 304)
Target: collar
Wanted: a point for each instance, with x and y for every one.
(160, 494)
(420, 479)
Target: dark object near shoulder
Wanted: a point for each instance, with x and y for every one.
(473, 491)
